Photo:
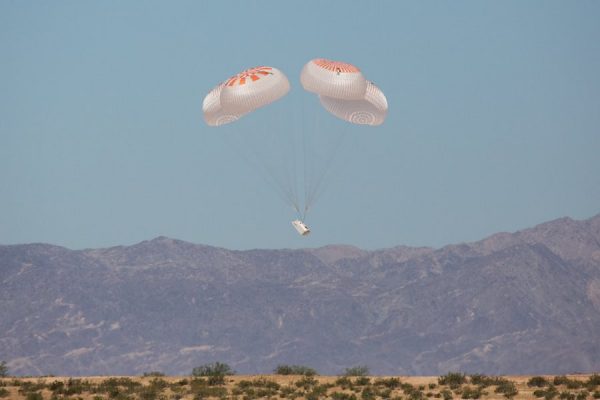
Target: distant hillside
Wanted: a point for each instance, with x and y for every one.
(514, 303)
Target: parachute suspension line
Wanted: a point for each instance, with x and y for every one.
(319, 185)
(306, 178)
(235, 140)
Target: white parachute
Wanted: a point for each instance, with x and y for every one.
(342, 90)
(370, 110)
(243, 93)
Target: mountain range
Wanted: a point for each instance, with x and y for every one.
(526, 302)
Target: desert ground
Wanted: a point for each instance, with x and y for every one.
(246, 387)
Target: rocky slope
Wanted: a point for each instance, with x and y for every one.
(514, 303)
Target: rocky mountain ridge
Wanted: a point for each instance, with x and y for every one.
(514, 303)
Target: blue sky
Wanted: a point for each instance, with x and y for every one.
(494, 121)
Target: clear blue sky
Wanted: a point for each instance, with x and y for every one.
(494, 120)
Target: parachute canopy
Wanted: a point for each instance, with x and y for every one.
(344, 92)
(370, 110)
(243, 93)
(333, 79)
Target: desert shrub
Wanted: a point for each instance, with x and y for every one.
(360, 370)
(446, 394)
(56, 386)
(582, 395)
(148, 393)
(159, 384)
(432, 386)
(286, 391)
(471, 393)
(306, 382)
(153, 373)
(566, 395)
(215, 372)
(573, 384)
(343, 396)
(508, 389)
(560, 380)
(550, 392)
(593, 380)
(452, 379)
(209, 391)
(416, 395)
(260, 387)
(362, 381)
(596, 394)
(391, 383)
(116, 388)
(537, 381)
(368, 393)
(317, 392)
(34, 396)
(284, 369)
(344, 382)
(4, 392)
(384, 393)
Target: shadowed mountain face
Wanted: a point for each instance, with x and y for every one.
(520, 303)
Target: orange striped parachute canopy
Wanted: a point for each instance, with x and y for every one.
(243, 93)
(335, 79)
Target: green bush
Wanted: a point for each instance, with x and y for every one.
(284, 369)
(537, 381)
(446, 394)
(596, 394)
(362, 381)
(213, 369)
(582, 395)
(390, 383)
(367, 394)
(565, 395)
(360, 370)
(344, 382)
(547, 394)
(593, 380)
(452, 379)
(4, 392)
(307, 382)
(508, 389)
(153, 373)
(34, 396)
(471, 393)
(560, 380)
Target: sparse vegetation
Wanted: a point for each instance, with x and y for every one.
(452, 379)
(214, 372)
(360, 370)
(284, 369)
(153, 373)
(508, 389)
(537, 381)
(3, 369)
(278, 387)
